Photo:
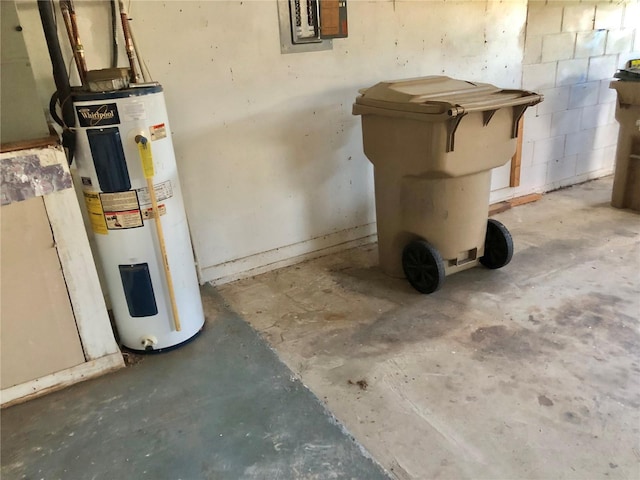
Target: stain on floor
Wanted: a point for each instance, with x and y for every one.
(530, 371)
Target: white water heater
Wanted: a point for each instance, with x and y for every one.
(149, 271)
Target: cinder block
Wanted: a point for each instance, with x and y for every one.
(571, 72)
(609, 157)
(543, 18)
(566, 121)
(539, 76)
(606, 93)
(619, 41)
(595, 159)
(561, 169)
(578, 18)
(589, 161)
(608, 16)
(533, 177)
(612, 112)
(590, 44)
(527, 152)
(536, 127)
(579, 142)
(532, 50)
(606, 136)
(558, 46)
(603, 67)
(631, 17)
(584, 94)
(548, 149)
(597, 115)
(555, 99)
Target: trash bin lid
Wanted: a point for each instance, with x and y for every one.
(439, 95)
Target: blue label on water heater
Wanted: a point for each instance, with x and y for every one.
(98, 115)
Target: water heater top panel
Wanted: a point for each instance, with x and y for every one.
(146, 89)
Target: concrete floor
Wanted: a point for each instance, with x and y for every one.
(528, 372)
(222, 407)
(531, 371)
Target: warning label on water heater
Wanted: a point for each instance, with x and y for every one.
(121, 210)
(96, 215)
(163, 191)
(148, 214)
(122, 220)
(133, 111)
(158, 131)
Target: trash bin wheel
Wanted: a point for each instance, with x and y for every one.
(423, 266)
(498, 245)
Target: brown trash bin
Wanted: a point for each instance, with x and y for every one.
(433, 142)
(626, 180)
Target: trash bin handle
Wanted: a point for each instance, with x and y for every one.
(518, 111)
(480, 106)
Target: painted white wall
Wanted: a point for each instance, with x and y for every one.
(270, 157)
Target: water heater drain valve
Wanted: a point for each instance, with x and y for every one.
(148, 342)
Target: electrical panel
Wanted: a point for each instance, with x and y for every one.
(313, 21)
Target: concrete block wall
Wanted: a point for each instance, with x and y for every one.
(572, 50)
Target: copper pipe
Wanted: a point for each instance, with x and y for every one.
(79, 46)
(71, 25)
(145, 71)
(131, 51)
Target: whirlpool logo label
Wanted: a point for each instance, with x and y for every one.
(98, 115)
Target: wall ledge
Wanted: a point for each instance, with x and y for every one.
(288, 255)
